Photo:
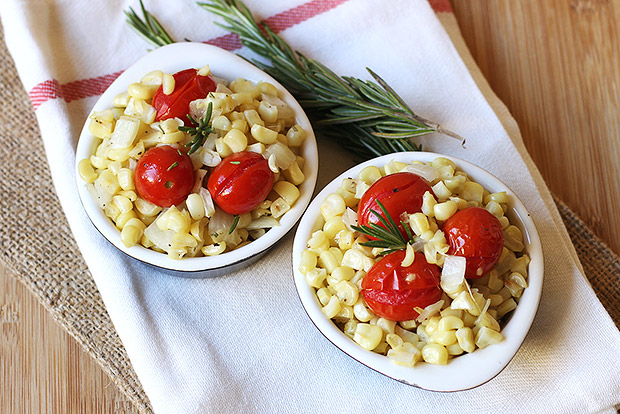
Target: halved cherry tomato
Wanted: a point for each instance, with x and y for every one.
(475, 234)
(399, 193)
(164, 176)
(188, 86)
(240, 182)
(393, 292)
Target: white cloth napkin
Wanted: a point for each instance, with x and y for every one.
(242, 342)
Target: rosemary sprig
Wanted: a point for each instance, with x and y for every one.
(369, 118)
(149, 28)
(233, 226)
(387, 236)
(199, 132)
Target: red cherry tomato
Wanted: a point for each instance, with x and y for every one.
(393, 292)
(475, 234)
(164, 176)
(399, 193)
(240, 182)
(188, 86)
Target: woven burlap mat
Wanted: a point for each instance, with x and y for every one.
(38, 247)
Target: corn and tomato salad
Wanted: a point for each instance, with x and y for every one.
(468, 304)
(253, 145)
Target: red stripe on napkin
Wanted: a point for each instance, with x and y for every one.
(281, 21)
(71, 91)
(441, 6)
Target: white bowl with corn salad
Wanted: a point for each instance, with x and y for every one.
(180, 235)
(465, 329)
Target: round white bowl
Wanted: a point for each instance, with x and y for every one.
(465, 371)
(226, 65)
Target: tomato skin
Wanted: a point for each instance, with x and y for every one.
(399, 193)
(159, 180)
(188, 86)
(390, 295)
(476, 234)
(240, 182)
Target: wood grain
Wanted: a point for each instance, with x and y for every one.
(43, 369)
(556, 66)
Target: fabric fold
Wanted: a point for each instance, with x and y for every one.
(242, 342)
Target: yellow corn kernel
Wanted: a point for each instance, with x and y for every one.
(404, 354)
(472, 192)
(428, 204)
(506, 306)
(454, 349)
(347, 292)
(394, 167)
(168, 84)
(267, 88)
(448, 323)
(369, 174)
(288, 191)
(315, 277)
(123, 218)
(345, 239)
(169, 125)
(173, 137)
(465, 339)
(368, 336)
(328, 261)
(195, 206)
(296, 136)
(441, 191)
(444, 337)
(236, 140)
(221, 123)
(513, 238)
(308, 261)
(279, 207)
(263, 134)
(333, 226)
(141, 91)
(361, 311)
(132, 232)
(323, 295)
(340, 273)
(121, 100)
(222, 148)
(204, 71)
(435, 354)
(332, 206)
(294, 174)
(253, 118)
(443, 211)
(122, 203)
(241, 125)
(146, 207)
(268, 112)
(214, 249)
(86, 171)
(125, 179)
(487, 336)
(332, 308)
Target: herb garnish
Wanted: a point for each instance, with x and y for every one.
(234, 224)
(368, 118)
(199, 132)
(387, 236)
(174, 164)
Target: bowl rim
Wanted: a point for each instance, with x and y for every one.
(226, 65)
(480, 366)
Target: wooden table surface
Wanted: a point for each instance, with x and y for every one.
(555, 64)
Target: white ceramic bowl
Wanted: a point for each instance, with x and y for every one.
(465, 371)
(226, 65)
